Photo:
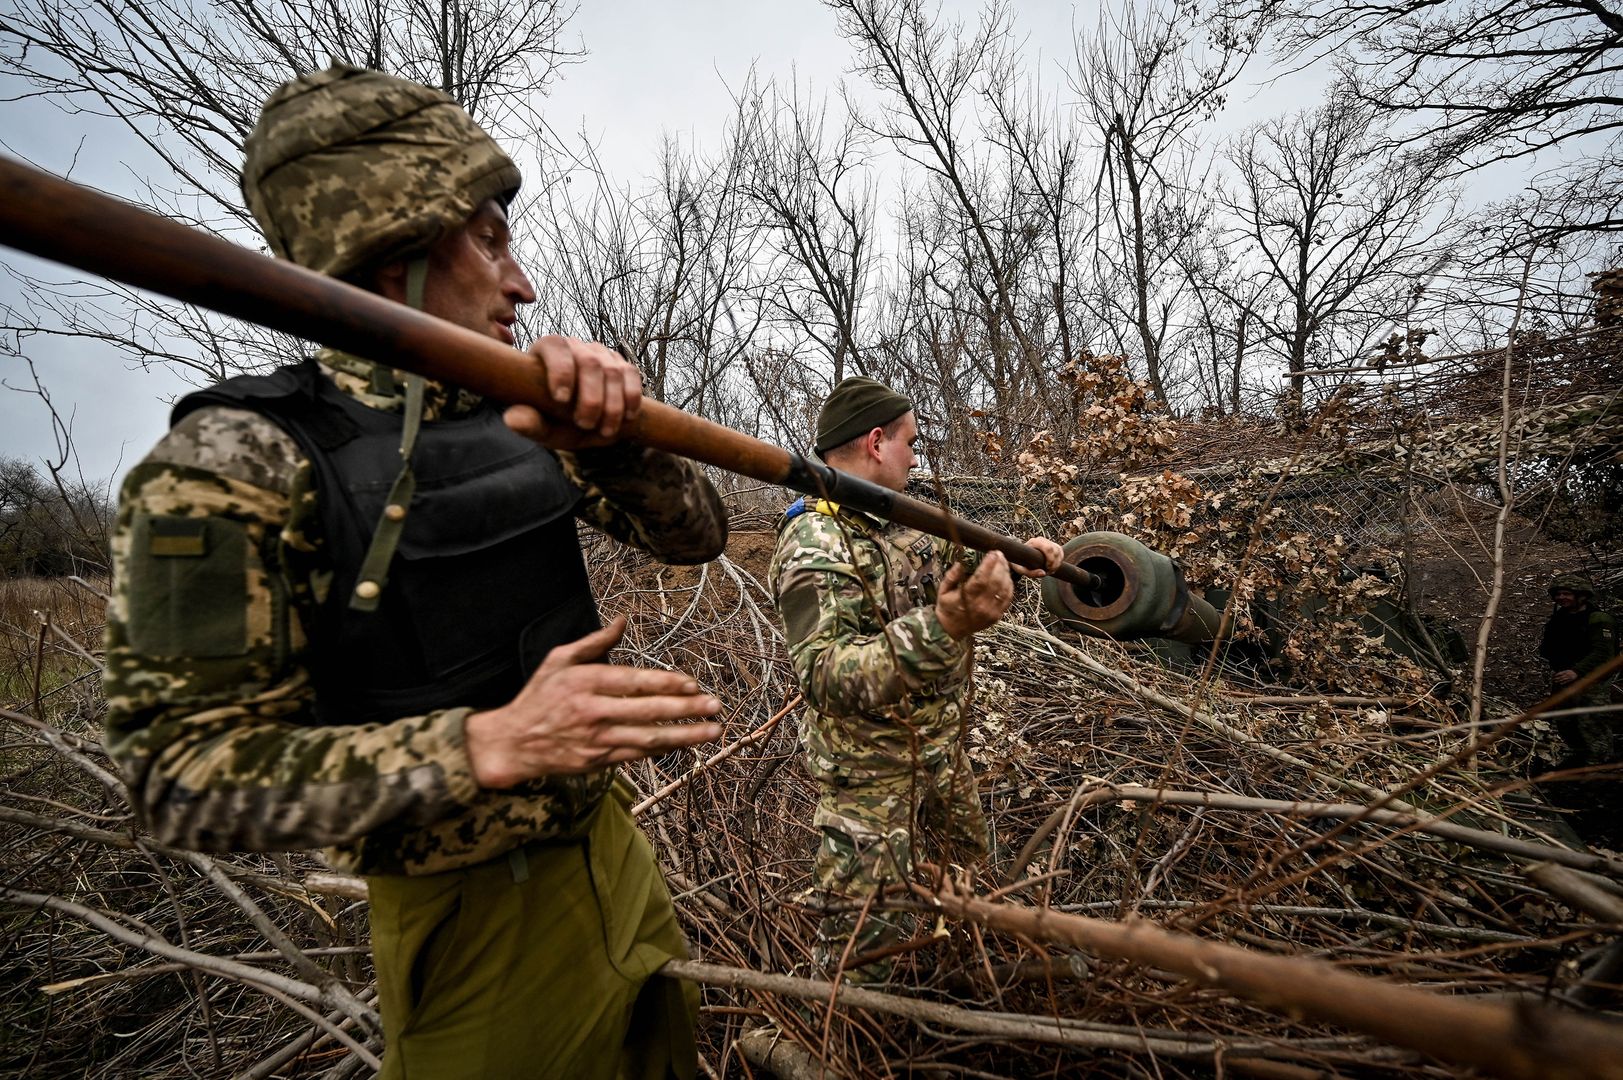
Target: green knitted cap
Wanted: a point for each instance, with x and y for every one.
(856, 407)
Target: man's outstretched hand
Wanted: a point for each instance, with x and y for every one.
(576, 715)
(1053, 558)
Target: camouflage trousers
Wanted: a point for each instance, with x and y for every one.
(1591, 740)
(871, 825)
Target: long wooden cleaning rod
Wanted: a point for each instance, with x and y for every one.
(56, 219)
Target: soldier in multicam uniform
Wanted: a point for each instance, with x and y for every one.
(1578, 639)
(351, 611)
(878, 619)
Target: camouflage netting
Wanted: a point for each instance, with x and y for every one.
(1382, 502)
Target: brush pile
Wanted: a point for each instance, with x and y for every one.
(1117, 787)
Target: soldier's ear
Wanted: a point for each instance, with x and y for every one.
(389, 280)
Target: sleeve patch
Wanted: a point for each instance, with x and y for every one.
(187, 587)
(170, 537)
(798, 607)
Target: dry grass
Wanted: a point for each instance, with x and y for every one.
(38, 617)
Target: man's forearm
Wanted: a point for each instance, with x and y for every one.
(229, 779)
(654, 501)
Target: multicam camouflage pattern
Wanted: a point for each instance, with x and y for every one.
(867, 825)
(887, 688)
(884, 680)
(210, 706)
(349, 168)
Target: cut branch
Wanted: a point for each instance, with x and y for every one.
(1498, 1039)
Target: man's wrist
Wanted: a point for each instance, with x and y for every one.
(485, 762)
(956, 627)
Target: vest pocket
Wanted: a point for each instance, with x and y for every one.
(187, 587)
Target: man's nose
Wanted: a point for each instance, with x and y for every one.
(518, 286)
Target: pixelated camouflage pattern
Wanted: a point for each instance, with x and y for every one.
(867, 826)
(223, 752)
(349, 168)
(884, 681)
(1594, 739)
(1580, 642)
(383, 388)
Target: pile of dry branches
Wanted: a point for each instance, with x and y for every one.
(1227, 811)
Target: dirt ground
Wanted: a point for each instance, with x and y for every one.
(1453, 583)
(752, 551)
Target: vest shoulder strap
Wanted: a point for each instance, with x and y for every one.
(289, 395)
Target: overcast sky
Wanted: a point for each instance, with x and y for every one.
(652, 67)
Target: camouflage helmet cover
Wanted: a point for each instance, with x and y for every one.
(1573, 582)
(349, 167)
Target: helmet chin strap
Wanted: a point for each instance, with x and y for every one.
(374, 573)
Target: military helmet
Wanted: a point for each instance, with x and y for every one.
(1581, 584)
(350, 168)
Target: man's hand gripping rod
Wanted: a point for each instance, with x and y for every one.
(58, 220)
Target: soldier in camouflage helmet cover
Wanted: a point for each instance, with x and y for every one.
(350, 611)
(879, 620)
(1579, 638)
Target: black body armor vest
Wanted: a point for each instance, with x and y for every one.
(488, 575)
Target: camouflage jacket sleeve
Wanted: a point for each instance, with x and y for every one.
(654, 501)
(1601, 642)
(849, 655)
(209, 706)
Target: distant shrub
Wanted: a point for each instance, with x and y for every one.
(50, 527)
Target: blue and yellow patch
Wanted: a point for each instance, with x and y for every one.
(800, 506)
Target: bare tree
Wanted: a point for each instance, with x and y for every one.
(1335, 226)
(1482, 84)
(814, 190)
(1221, 330)
(670, 274)
(1046, 158)
(53, 521)
(1146, 85)
(187, 81)
(928, 71)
